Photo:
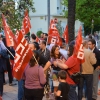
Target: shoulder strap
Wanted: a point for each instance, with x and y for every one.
(73, 73)
(68, 73)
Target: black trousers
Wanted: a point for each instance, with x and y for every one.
(9, 72)
(34, 94)
(88, 78)
(1, 84)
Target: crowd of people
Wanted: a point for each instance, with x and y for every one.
(51, 68)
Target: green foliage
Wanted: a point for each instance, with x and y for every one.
(59, 27)
(86, 11)
(14, 16)
(65, 2)
(39, 33)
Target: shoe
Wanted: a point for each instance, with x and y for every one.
(47, 95)
(0, 98)
(12, 84)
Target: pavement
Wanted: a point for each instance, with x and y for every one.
(10, 92)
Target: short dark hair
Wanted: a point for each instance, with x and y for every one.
(71, 50)
(92, 41)
(46, 34)
(45, 39)
(63, 40)
(33, 36)
(36, 45)
(90, 36)
(72, 43)
(62, 74)
(43, 42)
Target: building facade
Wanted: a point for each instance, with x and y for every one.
(39, 19)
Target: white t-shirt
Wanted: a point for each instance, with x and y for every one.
(64, 53)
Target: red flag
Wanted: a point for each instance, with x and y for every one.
(65, 34)
(52, 27)
(54, 39)
(8, 33)
(37, 40)
(53, 34)
(78, 50)
(26, 25)
(17, 34)
(22, 56)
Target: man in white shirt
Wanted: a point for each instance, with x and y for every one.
(63, 51)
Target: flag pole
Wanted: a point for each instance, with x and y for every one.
(48, 14)
(10, 53)
(35, 59)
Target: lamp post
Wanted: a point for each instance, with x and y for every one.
(82, 28)
(92, 26)
(48, 12)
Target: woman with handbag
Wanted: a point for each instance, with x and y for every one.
(34, 79)
(72, 65)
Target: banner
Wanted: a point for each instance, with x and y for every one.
(78, 49)
(52, 27)
(22, 56)
(54, 39)
(8, 32)
(53, 34)
(65, 34)
(26, 25)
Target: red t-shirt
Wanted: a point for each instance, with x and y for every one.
(73, 67)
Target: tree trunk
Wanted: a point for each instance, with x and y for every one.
(71, 19)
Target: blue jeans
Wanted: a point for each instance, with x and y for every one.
(20, 89)
(72, 95)
(51, 80)
(51, 84)
(88, 78)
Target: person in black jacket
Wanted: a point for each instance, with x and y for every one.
(3, 68)
(92, 46)
(8, 66)
(43, 51)
(35, 46)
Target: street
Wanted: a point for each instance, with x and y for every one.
(10, 92)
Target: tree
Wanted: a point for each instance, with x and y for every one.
(59, 27)
(39, 33)
(14, 16)
(87, 11)
(89, 14)
(71, 19)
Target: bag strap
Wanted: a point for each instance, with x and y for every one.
(73, 73)
(68, 73)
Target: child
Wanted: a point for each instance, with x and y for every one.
(63, 88)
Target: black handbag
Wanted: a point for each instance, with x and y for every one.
(75, 77)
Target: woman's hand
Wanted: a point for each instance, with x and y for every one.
(48, 64)
(55, 63)
(59, 61)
